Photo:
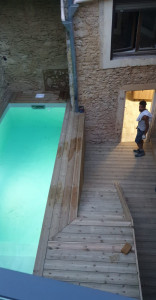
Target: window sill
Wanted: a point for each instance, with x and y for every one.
(129, 61)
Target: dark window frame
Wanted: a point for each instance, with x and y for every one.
(135, 51)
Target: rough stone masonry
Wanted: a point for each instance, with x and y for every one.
(99, 88)
(32, 38)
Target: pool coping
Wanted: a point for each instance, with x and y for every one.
(42, 246)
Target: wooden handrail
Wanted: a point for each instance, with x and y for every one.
(125, 207)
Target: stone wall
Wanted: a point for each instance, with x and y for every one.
(2, 80)
(99, 88)
(32, 38)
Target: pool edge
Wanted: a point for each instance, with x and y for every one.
(42, 245)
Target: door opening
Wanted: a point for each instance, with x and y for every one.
(131, 112)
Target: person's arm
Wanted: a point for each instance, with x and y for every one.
(146, 119)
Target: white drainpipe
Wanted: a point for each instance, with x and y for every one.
(62, 11)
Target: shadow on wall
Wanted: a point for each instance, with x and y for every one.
(132, 111)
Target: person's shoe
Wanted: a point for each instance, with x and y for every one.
(136, 151)
(140, 153)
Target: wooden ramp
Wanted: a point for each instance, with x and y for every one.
(88, 250)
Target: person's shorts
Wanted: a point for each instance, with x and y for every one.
(139, 135)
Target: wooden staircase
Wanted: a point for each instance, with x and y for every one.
(88, 250)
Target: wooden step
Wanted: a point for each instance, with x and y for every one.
(97, 267)
(124, 290)
(100, 201)
(97, 230)
(93, 256)
(92, 277)
(96, 216)
(101, 222)
(100, 208)
(87, 246)
(93, 238)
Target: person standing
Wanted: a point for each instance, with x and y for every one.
(143, 125)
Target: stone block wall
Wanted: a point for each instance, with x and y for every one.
(99, 88)
(33, 39)
(2, 80)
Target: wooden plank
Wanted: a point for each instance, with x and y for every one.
(83, 221)
(88, 246)
(100, 210)
(50, 97)
(96, 172)
(99, 194)
(137, 265)
(101, 179)
(97, 230)
(127, 184)
(110, 278)
(96, 216)
(41, 252)
(111, 163)
(61, 180)
(125, 207)
(93, 256)
(84, 266)
(105, 201)
(92, 238)
(105, 188)
(77, 171)
(124, 290)
(65, 206)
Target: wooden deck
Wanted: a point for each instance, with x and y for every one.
(49, 97)
(62, 204)
(87, 250)
(137, 176)
(20, 97)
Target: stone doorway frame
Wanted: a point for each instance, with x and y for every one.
(121, 105)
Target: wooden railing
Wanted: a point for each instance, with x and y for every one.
(128, 217)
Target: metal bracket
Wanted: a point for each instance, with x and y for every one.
(67, 25)
(72, 9)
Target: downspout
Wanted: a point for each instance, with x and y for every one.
(68, 23)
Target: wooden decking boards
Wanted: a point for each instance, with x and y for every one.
(137, 176)
(87, 250)
(65, 185)
(49, 97)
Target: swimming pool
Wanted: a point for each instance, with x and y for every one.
(29, 139)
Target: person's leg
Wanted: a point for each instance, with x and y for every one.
(140, 145)
(139, 142)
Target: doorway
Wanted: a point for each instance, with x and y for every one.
(131, 112)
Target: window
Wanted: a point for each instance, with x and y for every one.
(134, 27)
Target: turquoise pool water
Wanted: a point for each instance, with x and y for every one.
(28, 145)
